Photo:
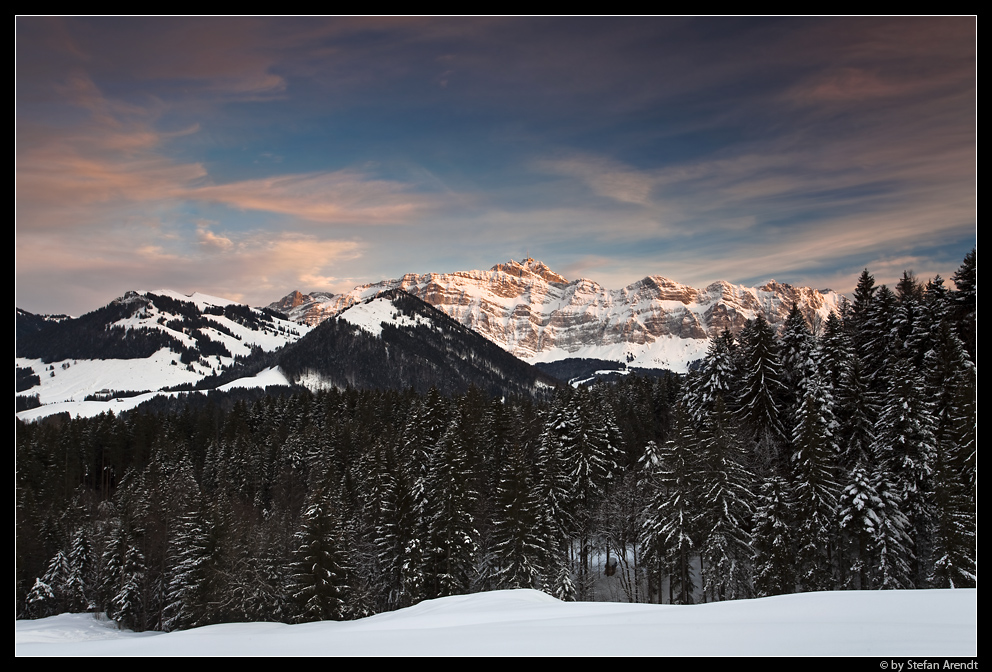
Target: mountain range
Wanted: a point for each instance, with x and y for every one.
(538, 315)
(147, 345)
(448, 331)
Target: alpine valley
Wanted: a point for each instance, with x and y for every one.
(387, 455)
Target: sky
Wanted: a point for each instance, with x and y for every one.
(250, 157)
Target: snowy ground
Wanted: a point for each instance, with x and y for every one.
(90, 409)
(525, 622)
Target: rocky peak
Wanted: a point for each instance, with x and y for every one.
(530, 266)
(131, 296)
(290, 301)
(657, 287)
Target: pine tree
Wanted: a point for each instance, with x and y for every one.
(725, 507)
(322, 576)
(774, 548)
(450, 498)
(816, 490)
(761, 395)
(517, 543)
(671, 522)
(905, 451)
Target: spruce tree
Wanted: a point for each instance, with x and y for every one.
(774, 548)
(761, 394)
(718, 378)
(82, 566)
(725, 507)
(905, 453)
(128, 602)
(516, 535)
(814, 463)
(322, 575)
(555, 521)
(189, 590)
(671, 522)
(450, 498)
(965, 299)
(399, 543)
(50, 594)
(591, 452)
(861, 309)
(952, 385)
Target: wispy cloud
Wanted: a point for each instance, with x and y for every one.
(606, 177)
(252, 155)
(339, 197)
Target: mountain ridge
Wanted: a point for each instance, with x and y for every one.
(538, 315)
(143, 345)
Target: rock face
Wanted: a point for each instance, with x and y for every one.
(290, 301)
(538, 315)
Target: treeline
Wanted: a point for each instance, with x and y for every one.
(840, 459)
(326, 505)
(844, 459)
(91, 336)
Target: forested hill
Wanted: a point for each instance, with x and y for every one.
(395, 341)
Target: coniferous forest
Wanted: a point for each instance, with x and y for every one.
(828, 456)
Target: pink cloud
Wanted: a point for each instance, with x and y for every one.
(344, 196)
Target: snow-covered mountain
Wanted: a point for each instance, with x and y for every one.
(144, 344)
(142, 341)
(394, 340)
(540, 316)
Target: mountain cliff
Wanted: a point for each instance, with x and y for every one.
(539, 315)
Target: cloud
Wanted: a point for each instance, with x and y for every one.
(850, 85)
(116, 156)
(71, 173)
(211, 241)
(731, 147)
(606, 177)
(257, 267)
(339, 197)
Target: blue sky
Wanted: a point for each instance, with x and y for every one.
(248, 157)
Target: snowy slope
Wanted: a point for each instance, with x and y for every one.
(527, 622)
(116, 405)
(371, 314)
(66, 383)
